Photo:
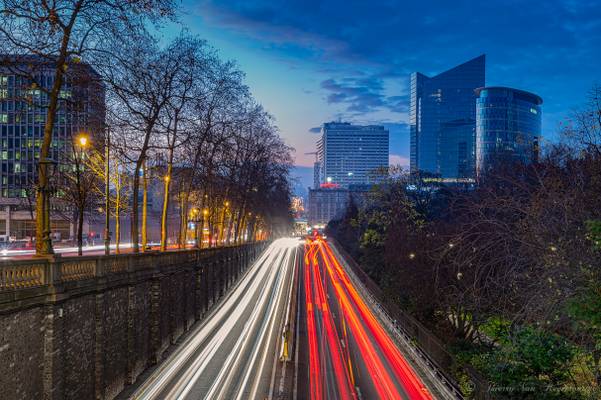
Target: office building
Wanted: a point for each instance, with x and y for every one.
(326, 204)
(442, 121)
(24, 84)
(352, 154)
(316, 174)
(508, 126)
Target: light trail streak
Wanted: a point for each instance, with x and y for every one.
(403, 371)
(227, 357)
(377, 371)
(344, 387)
(316, 390)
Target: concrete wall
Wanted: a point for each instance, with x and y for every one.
(84, 328)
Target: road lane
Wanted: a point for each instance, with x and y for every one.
(352, 337)
(232, 354)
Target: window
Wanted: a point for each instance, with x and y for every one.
(3, 118)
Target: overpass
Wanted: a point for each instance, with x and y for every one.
(285, 320)
(88, 327)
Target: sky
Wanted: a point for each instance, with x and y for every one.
(309, 62)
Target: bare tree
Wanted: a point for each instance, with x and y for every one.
(58, 34)
(142, 80)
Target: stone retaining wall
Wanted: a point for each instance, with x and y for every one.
(85, 327)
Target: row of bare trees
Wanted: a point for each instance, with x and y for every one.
(171, 115)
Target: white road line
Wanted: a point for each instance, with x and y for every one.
(263, 287)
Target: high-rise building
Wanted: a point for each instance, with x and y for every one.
(316, 174)
(352, 154)
(508, 126)
(24, 84)
(330, 203)
(442, 121)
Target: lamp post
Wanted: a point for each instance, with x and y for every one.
(82, 141)
(45, 248)
(107, 203)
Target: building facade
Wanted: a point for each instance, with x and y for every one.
(24, 85)
(442, 119)
(352, 154)
(508, 126)
(326, 204)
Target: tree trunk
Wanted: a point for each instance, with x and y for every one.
(43, 243)
(80, 230)
(144, 208)
(134, 209)
(167, 185)
(118, 214)
(183, 216)
(222, 226)
(230, 226)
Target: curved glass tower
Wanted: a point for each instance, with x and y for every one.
(508, 126)
(442, 121)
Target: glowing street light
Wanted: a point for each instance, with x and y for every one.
(83, 140)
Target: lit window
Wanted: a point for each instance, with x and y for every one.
(3, 118)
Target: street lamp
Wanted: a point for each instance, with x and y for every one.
(45, 247)
(107, 202)
(83, 140)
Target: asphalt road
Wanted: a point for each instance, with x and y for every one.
(345, 353)
(234, 353)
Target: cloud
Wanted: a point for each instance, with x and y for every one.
(316, 129)
(362, 95)
(395, 159)
(552, 50)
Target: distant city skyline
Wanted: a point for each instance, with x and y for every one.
(306, 63)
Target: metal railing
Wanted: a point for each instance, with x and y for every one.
(430, 346)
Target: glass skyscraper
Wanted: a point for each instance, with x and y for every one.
(351, 154)
(508, 126)
(442, 121)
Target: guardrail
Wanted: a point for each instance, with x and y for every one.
(431, 347)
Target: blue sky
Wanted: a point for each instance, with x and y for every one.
(313, 61)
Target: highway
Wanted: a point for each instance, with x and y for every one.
(234, 352)
(348, 354)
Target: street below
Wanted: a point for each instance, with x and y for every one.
(349, 355)
(234, 353)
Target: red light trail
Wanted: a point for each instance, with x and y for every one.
(389, 376)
